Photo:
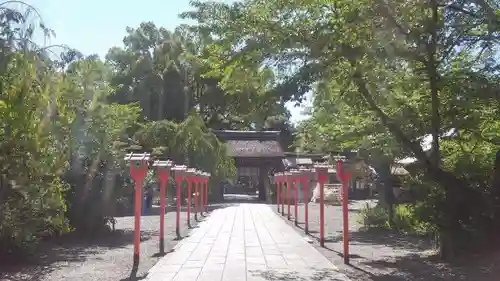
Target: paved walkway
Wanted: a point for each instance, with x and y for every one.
(245, 242)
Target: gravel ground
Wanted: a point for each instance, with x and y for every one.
(375, 255)
(385, 256)
(108, 258)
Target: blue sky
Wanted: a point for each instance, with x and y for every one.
(93, 26)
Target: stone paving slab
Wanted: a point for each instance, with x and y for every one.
(248, 242)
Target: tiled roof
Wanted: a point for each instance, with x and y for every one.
(251, 143)
(227, 135)
(254, 148)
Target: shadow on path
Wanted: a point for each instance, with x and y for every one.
(290, 275)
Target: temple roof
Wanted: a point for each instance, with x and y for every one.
(247, 135)
(251, 143)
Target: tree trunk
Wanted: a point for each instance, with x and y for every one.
(382, 163)
(108, 202)
(384, 187)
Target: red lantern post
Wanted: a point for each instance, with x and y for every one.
(283, 195)
(288, 179)
(277, 181)
(206, 180)
(179, 174)
(138, 171)
(196, 181)
(322, 176)
(306, 176)
(163, 172)
(344, 177)
(295, 184)
(189, 177)
(202, 192)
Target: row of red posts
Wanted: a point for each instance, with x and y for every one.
(139, 166)
(305, 176)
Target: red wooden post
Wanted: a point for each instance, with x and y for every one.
(305, 190)
(179, 172)
(203, 198)
(138, 171)
(205, 183)
(190, 175)
(198, 203)
(277, 181)
(278, 191)
(199, 197)
(206, 180)
(200, 194)
(322, 175)
(288, 187)
(295, 186)
(163, 172)
(196, 182)
(305, 178)
(283, 195)
(344, 177)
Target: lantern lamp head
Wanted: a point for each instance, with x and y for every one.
(179, 170)
(278, 177)
(295, 174)
(322, 171)
(137, 158)
(163, 164)
(307, 173)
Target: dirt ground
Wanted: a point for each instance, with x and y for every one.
(379, 255)
(108, 258)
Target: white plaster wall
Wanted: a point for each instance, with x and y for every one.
(332, 192)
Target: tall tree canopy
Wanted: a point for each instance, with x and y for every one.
(384, 75)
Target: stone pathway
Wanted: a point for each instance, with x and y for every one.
(245, 242)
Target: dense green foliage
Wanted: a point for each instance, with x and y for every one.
(383, 74)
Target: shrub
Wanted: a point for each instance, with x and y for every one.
(406, 219)
(374, 217)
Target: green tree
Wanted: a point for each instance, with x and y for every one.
(398, 66)
(165, 72)
(31, 191)
(96, 132)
